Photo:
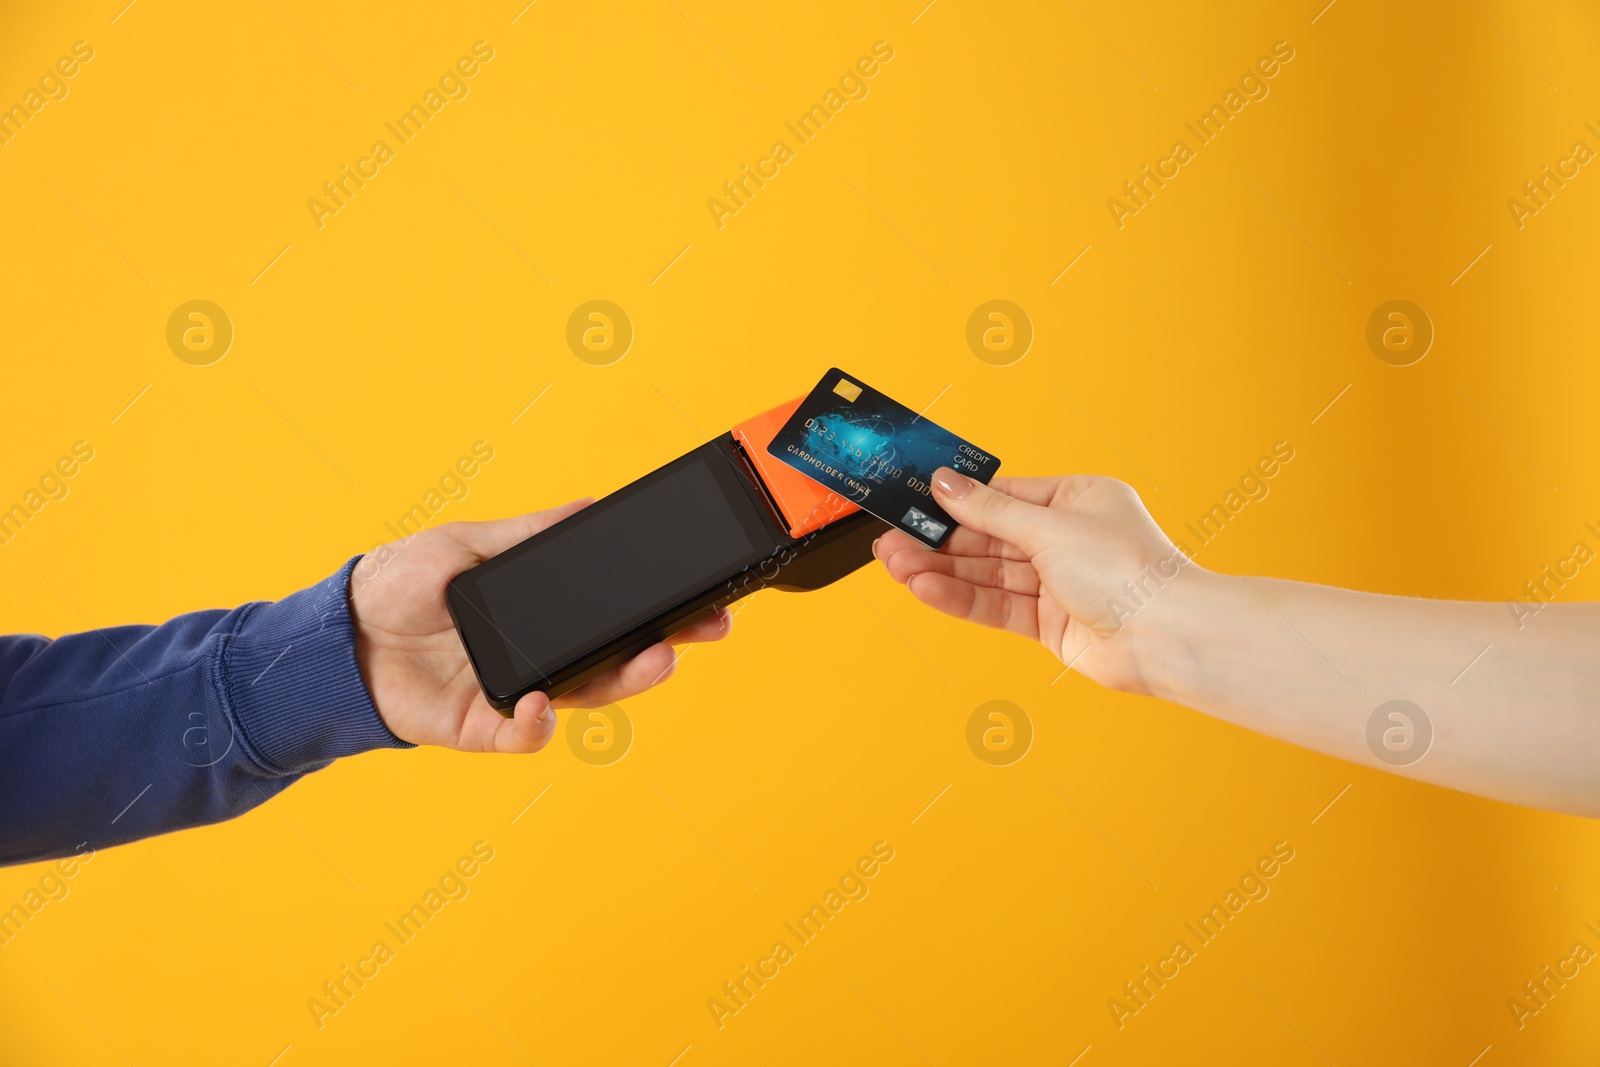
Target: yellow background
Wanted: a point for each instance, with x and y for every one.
(1224, 317)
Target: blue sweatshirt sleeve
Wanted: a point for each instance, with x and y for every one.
(117, 734)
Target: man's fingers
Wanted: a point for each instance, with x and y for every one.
(651, 667)
(530, 728)
(711, 628)
(488, 539)
(992, 572)
(988, 510)
(984, 605)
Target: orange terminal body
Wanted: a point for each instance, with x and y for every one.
(806, 505)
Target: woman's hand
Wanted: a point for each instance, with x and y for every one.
(1487, 701)
(413, 662)
(1074, 562)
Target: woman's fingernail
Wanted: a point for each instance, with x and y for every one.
(956, 486)
(875, 541)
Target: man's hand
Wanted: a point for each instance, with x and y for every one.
(413, 662)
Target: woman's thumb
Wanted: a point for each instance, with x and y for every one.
(989, 511)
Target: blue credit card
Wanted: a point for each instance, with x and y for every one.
(877, 453)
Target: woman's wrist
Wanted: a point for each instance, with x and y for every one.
(1176, 638)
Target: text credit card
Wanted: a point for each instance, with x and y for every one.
(877, 453)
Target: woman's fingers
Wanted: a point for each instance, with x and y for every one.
(1041, 491)
(1029, 526)
(962, 542)
(1014, 576)
(985, 605)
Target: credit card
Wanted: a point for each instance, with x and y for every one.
(877, 453)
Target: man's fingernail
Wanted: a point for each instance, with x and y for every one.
(875, 541)
(546, 713)
(956, 486)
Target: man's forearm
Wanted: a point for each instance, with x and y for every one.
(1511, 709)
(118, 734)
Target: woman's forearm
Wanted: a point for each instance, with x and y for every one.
(1483, 697)
(1511, 704)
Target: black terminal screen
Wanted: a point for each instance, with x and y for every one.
(613, 566)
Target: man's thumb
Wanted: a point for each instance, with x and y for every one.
(989, 511)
